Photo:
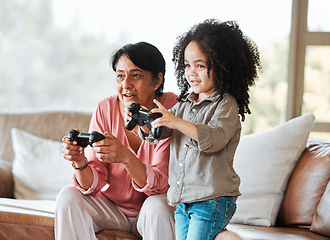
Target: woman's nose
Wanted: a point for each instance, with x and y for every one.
(127, 83)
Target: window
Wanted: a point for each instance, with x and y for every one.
(55, 54)
(309, 71)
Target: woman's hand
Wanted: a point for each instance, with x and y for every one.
(127, 113)
(110, 150)
(76, 154)
(72, 152)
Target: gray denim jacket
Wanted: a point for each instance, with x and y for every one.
(203, 170)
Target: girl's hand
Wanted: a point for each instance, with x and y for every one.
(168, 119)
(171, 121)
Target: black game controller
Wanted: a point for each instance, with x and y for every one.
(84, 139)
(141, 117)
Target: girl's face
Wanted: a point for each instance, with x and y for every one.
(135, 84)
(196, 73)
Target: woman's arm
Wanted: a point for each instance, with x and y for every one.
(74, 153)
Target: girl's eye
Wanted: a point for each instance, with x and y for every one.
(186, 66)
(200, 66)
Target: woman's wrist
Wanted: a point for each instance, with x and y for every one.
(81, 165)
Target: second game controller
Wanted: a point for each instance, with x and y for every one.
(141, 117)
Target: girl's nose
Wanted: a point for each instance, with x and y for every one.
(191, 71)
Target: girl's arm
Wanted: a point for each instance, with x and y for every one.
(171, 121)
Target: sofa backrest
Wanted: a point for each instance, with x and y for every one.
(52, 124)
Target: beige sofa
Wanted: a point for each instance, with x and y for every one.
(301, 214)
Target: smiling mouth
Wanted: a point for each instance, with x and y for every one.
(129, 95)
(194, 82)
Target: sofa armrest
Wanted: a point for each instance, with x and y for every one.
(307, 184)
(6, 180)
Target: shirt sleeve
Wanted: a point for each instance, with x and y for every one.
(93, 186)
(157, 170)
(99, 169)
(215, 135)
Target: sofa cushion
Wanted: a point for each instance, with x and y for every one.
(42, 208)
(246, 232)
(306, 187)
(321, 220)
(49, 124)
(264, 161)
(39, 169)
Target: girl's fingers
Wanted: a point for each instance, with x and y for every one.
(159, 104)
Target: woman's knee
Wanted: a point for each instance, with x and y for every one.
(156, 205)
(69, 195)
(156, 218)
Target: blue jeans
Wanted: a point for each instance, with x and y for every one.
(203, 220)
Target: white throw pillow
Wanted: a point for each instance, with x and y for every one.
(39, 169)
(264, 161)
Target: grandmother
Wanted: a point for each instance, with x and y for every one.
(121, 182)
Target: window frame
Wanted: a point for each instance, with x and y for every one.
(300, 38)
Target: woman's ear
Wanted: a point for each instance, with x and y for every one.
(158, 80)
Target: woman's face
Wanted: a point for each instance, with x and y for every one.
(135, 84)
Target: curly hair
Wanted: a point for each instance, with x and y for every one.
(233, 57)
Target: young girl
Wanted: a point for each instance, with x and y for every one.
(219, 64)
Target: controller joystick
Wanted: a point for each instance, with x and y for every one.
(84, 139)
(141, 117)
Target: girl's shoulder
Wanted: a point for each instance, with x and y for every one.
(228, 101)
(228, 97)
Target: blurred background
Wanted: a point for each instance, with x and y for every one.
(54, 54)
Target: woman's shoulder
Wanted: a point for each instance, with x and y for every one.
(170, 99)
(106, 105)
(108, 101)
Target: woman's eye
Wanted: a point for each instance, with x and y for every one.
(120, 76)
(136, 76)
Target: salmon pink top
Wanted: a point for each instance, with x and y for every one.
(112, 179)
